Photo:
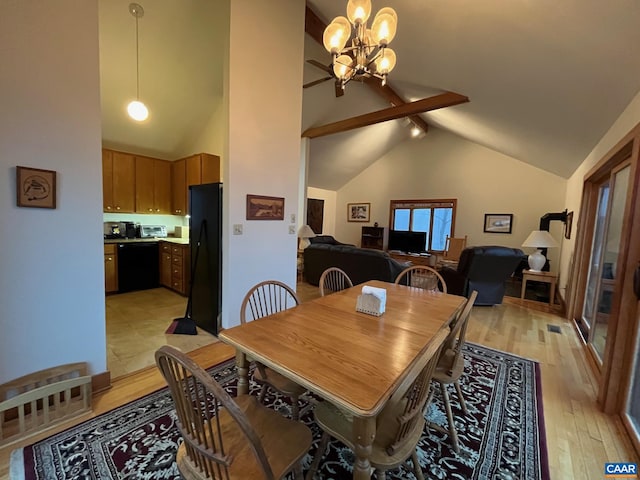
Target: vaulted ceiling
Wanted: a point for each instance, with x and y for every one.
(545, 79)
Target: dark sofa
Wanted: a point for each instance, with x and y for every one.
(485, 269)
(361, 264)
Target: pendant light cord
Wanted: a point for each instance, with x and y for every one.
(137, 63)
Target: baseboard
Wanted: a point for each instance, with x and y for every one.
(101, 382)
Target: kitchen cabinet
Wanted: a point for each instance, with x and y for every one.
(175, 267)
(118, 181)
(193, 170)
(152, 185)
(110, 268)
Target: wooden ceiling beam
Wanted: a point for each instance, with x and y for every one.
(314, 26)
(442, 100)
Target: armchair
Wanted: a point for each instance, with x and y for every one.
(485, 269)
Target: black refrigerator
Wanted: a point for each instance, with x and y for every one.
(205, 239)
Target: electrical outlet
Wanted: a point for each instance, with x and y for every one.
(292, 229)
(237, 229)
(293, 218)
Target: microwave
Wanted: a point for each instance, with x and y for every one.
(153, 231)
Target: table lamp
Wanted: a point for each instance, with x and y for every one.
(304, 234)
(538, 239)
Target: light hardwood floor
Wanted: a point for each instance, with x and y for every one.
(580, 438)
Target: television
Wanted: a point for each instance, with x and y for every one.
(408, 242)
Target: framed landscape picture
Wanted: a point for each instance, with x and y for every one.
(498, 222)
(358, 212)
(36, 187)
(260, 207)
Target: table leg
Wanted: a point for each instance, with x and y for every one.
(552, 293)
(364, 431)
(243, 373)
(524, 287)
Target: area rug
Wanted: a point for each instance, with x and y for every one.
(502, 437)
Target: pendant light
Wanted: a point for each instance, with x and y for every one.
(136, 109)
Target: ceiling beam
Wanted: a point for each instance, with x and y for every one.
(314, 26)
(442, 100)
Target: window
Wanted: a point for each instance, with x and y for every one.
(434, 217)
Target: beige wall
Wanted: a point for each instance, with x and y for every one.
(51, 266)
(442, 165)
(623, 125)
(329, 217)
(263, 145)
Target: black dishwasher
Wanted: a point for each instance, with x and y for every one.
(138, 266)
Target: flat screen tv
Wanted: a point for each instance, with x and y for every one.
(409, 242)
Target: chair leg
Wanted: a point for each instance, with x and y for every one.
(319, 454)
(297, 471)
(461, 398)
(295, 409)
(453, 434)
(417, 469)
(263, 390)
(381, 475)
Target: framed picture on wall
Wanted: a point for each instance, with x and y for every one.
(358, 212)
(498, 222)
(260, 207)
(35, 187)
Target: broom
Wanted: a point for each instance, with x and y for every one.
(187, 325)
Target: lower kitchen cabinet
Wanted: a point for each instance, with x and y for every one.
(175, 267)
(110, 268)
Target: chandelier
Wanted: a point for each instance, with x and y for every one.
(368, 54)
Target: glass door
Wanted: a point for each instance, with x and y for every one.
(605, 248)
(633, 399)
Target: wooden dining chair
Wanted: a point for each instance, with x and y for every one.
(420, 276)
(267, 298)
(399, 425)
(226, 438)
(451, 367)
(334, 280)
(454, 247)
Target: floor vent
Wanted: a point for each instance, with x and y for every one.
(554, 329)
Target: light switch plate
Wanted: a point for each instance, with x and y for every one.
(292, 229)
(293, 218)
(237, 229)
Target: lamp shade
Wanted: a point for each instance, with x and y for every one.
(540, 239)
(304, 234)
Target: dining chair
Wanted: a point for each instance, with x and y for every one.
(420, 276)
(454, 247)
(399, 425)
(225, 438)
(333, 280)
(451, 367)
(264, 299)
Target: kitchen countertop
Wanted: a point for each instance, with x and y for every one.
(181, 241)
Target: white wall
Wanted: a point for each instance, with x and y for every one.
(263, 144)
(443, 165)
(329, 216)
(629, 118)
(51, 267)
(213, 135)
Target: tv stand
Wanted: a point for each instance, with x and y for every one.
(415, 258)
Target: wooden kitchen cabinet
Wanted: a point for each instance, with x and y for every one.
(175, 267)
(153, 185)
(193, 170)
(110, 268)
(118, 181)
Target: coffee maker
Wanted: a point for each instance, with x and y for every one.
(127, 229)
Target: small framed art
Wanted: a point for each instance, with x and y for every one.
(35, 187)
(260, 207)
(358, 212)
(498, 222)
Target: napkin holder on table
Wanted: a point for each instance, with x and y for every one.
(372, 301)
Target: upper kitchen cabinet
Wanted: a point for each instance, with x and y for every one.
(118, 181)
(193, 170)
(153, 185)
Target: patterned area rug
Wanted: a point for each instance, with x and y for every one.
(502, 438)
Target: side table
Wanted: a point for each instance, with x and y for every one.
(545, 277)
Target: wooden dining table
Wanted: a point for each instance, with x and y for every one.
(354, 360)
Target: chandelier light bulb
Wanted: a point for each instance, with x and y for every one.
(386, 61)
(384, 26)
(343, 67)
(336, 35)
(138, 111)
(358, 11)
